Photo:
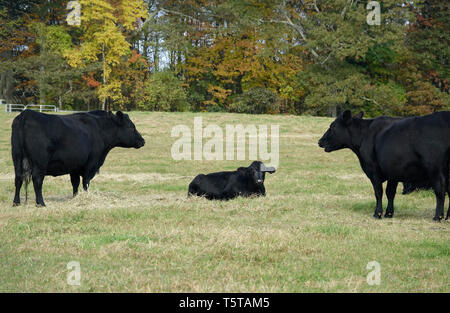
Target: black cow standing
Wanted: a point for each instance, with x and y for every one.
(410, 150)
(75, 144)
(245, 181)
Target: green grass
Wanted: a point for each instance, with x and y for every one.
(136, 231)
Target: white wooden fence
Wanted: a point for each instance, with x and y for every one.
(14, 107)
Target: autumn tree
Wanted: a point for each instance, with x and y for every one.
(105, 24)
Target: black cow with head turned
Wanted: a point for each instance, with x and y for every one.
(245, 182)
(412, 150)
(75, 144)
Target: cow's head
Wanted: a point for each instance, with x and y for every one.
(338, 135)
(127, 135)
(257, 171)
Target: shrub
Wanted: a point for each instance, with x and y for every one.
(257, 100)
(165, 93)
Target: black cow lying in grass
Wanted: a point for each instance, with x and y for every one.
(245, 181)
(396, 150)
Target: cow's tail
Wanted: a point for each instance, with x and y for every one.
(26, 175)
(22, 164)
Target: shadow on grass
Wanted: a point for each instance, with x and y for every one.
(401, 210)
(429, 249)
(58, 199)
(363, 206)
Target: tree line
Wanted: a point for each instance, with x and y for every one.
(315, 57)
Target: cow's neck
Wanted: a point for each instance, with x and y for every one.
(361, 140)
(108, 133)
(109, 136)
(359, 132)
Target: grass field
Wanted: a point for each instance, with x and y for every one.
(136, 231)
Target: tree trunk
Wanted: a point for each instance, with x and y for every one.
(156, 54)
(2, 85)
(332, 111)
(104, 76)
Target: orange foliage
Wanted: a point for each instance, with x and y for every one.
(90, 81)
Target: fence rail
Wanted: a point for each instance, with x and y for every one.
(13, 107)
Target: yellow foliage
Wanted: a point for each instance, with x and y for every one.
(104, 23)
(241, 60)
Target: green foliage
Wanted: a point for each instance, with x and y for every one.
(379, 61)
(327, 95)
(51, 39)
(429, 37)
(7, 25)
(257, 100)
(164, 93)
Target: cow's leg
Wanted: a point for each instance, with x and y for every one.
(18, 180)
(448, 210)
(88, 174)
(263, 191)
(38, 179)
(391, 189)
(448, 194)
(440, 189)
(86, 182)
(75, 180)
(18, 183)
(378, 190)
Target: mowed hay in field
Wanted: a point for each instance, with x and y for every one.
(136, 230)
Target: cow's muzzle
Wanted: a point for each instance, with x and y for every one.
(140, 144)
(321, 143)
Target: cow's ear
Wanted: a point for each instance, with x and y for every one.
(359, 115)
(120, 117)
(347, 116)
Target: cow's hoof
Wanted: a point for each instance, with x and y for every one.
(16, 203)
(438, 218)
(389, 215)
(40, 205)
(377, 216)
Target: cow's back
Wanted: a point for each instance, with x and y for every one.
(213, 185)
(408, 148)
(217, 181)
(58, 144)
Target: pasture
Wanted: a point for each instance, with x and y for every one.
(136, 231)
